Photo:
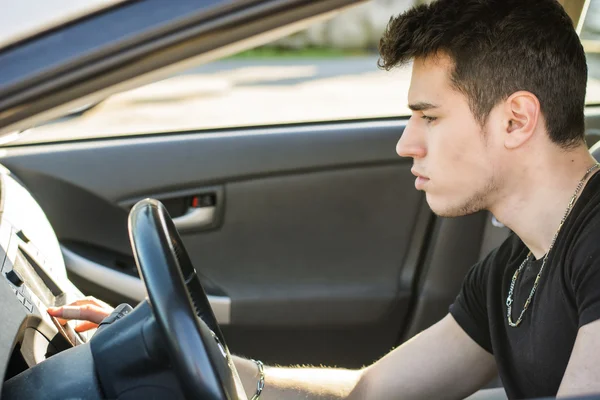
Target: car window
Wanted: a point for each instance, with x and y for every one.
(325, 73)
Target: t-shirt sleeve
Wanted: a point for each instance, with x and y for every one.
(585, 274)
(470, 307)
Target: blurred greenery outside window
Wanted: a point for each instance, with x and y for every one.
(325, 73)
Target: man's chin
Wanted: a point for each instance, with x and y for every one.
(446, 209)
(446, 213)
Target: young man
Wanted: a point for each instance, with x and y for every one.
(497, 95)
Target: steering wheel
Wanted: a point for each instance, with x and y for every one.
(181, 309)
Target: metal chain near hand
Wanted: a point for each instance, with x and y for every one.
(261, 379)
(509, 299)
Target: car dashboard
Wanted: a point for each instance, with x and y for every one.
(42, 359)
(33, 279)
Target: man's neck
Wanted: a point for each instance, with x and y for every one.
(533, 204)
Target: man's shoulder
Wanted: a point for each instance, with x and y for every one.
(583, 231)
(577, 253)
(586, 218)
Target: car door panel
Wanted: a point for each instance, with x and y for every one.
(322, 248)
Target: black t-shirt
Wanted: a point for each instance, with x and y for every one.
(532, 358)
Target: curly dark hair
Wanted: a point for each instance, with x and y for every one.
(499, 47)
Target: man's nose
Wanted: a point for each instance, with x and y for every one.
(411, 143)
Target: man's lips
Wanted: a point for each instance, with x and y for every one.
(417, 174)
(421, 180)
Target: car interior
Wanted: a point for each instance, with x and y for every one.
(296, 243)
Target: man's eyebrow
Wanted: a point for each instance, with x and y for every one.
(421, 106)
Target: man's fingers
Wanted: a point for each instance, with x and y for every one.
(86, 309)
(70, 312)
(93, 313)
(86, 312)
(90, 300)
(56, 312)
(85, 326)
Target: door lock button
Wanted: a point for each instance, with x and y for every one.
(204, 200)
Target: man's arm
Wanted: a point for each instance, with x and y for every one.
(582, 374)
(299, 382)
(583, 370)
(442, 362)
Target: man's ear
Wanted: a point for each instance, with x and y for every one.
(521, 115)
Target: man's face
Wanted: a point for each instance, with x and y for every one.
(453, 156)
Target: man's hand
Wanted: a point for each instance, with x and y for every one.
(90, 310)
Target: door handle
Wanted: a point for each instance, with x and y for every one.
(192, 210)
(195, 218)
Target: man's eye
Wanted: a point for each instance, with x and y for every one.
(428, 119)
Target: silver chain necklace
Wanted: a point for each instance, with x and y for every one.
(509, 298)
